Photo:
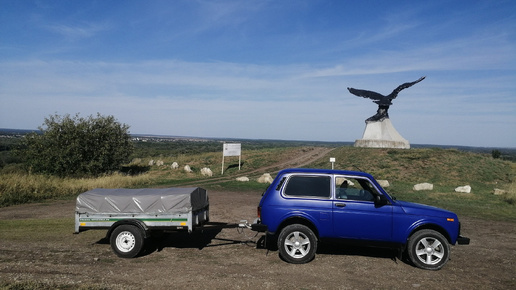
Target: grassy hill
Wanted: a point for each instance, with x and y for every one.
(442, 167)
(445, 168)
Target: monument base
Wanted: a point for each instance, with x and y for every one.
(381, 134)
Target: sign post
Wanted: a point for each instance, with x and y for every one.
(332, 160)
(231, 149)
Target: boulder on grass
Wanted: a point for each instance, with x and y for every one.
(188, 169)
(265, 178)
(463, 189)
(206, 172)
(423, 186)
(499, 191)
(243, 179)
(383, 183)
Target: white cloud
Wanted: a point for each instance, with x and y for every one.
(259, 101)
(77, 31)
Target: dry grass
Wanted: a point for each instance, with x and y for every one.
(510, 194)
(16, 188)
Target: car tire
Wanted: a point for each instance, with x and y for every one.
(127, 241)
(297, 244)
(428, 249)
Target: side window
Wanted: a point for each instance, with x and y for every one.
(354, 189)
(313, 186)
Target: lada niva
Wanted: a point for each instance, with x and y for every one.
(303, 206)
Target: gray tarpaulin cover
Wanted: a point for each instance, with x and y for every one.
(145, 200)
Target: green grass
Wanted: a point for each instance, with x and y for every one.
(445, 168)
(479, 204)
(36, 229)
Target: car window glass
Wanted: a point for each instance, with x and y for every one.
(354, 189)
(317, 186)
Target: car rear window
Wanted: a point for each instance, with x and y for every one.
(313, 186)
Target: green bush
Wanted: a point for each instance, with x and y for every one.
(76, 146)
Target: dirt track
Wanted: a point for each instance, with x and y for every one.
(226, 259)
(302, 158)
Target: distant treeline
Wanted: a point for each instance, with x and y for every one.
(173, 146)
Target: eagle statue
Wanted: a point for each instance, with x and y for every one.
(383, 101)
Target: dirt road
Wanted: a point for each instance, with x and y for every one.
(300, 158)
(43, 251)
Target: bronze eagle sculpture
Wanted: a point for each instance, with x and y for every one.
(383, 101)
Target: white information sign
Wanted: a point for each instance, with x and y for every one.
(231, 149)
(332, 160)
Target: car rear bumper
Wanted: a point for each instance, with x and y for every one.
(257, 227)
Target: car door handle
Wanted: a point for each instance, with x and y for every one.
(340, 204)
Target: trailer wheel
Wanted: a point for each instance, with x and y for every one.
(127, 241)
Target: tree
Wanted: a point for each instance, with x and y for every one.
(76, 146)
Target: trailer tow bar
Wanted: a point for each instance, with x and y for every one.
(244, 224)
(261, 242)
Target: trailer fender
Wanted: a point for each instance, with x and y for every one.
(141, 225)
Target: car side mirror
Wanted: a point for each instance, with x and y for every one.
(381, 200)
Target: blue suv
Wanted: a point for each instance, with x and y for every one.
(303, 206)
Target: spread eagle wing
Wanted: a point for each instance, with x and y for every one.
(394, 93)
(366, 94)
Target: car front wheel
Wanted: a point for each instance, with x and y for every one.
(297, 244)
(428, 249)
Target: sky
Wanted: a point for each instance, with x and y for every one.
(262, 69)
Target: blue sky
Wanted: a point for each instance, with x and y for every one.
(264, 69)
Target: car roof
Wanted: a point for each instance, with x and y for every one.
(324, 171)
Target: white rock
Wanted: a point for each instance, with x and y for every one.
(463, 189)
(265, 178)
(206, 172)
(423, 186)
(151, 162)
(188, 169)
(174, 165)
(243, 179)
(499, 191)
(384, 183)
(160, 163)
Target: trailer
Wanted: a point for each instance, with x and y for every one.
(130, 216)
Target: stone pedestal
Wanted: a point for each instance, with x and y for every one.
(381, 134)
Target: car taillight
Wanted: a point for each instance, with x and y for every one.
(259, 212)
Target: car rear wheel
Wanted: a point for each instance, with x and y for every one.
(297, 244)
(428, 249)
